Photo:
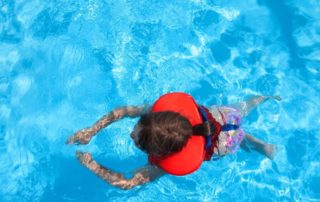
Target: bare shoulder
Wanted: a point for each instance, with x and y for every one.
(146, 108)
(134, 111)
(143, 109)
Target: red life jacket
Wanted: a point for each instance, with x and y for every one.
(190, 158)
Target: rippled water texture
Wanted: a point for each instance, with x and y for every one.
(63, 64)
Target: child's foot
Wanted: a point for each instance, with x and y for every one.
(276, 97)
(270, 150)
(264, 98)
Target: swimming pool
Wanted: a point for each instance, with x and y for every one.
(63, 64)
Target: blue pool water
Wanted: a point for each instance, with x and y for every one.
(63, 64)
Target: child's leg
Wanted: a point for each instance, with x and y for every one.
(247, 106)
(250, 142)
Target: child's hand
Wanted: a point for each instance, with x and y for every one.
(81, 137)
(84, 158)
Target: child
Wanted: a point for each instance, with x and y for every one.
(178, 135)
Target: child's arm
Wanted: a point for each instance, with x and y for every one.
(84, 136)
(142, 176)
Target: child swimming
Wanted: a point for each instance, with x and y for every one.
(178, 135)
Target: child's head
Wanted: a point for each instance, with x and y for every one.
(162, 133)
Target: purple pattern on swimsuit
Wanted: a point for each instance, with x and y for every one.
(234, 140)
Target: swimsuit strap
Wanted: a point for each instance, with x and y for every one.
(214, 125)
(212, 141)
(227, 127)
(209, 117)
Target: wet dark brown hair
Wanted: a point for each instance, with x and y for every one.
(163, 133)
